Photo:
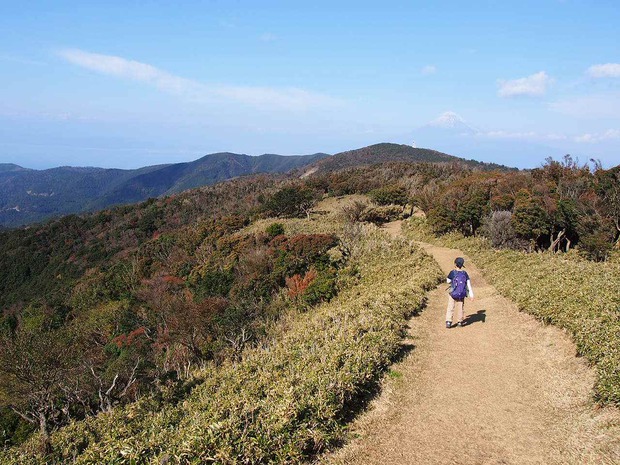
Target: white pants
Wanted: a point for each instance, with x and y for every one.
(460, 304)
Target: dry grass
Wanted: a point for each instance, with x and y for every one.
(326, 217)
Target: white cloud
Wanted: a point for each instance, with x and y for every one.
(526, 135)
(605, 70)
(507, 135)
(428, 69)
(291, 98)
(129, 69)
(598, 137)
(534, 85)
(551, 137)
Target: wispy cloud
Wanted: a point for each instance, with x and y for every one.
(533, 86)
(593, 138)
(290, 98)
(129, 69)
(428, 69)
(605, 70)
(533, 136)
(522, 135)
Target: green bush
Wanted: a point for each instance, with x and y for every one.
(275, 229)
(214, 283)
(382, 214)
(13, 430)
(322, 289)
(389, 195)
(291, 201)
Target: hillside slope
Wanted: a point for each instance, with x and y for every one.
(93, 290)
(286, 397)
(202, 172)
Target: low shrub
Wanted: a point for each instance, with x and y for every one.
(497, 227)
(382, 214)
(354, 211)
(389, 195)
(275, 229)
(321, 289)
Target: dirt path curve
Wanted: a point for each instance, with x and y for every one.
(502, 390)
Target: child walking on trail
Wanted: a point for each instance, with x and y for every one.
(460, 287)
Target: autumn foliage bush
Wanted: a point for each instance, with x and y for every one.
(559, 206)
(298, 285)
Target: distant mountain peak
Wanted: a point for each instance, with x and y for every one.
(450, 120)
(9, 167)
(383, 153)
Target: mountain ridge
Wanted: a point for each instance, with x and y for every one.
(29, 196)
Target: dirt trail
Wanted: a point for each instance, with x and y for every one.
(502, 390)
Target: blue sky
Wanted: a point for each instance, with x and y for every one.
(128, 84)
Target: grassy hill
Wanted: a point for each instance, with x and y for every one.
(386, 152)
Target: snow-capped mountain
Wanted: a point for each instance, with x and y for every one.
(452, 121)
(451, 133)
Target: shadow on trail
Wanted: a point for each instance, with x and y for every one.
(479, 316)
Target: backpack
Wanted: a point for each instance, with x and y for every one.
(459, 285)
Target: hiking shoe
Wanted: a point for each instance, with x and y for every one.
(448, 324)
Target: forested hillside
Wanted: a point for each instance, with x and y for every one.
(28, 196)
(119, 328)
